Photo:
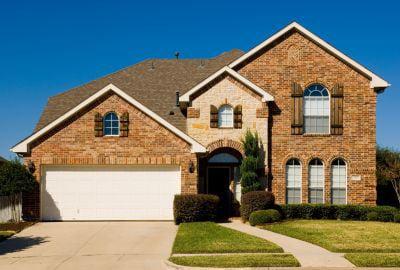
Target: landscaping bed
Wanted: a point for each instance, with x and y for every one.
(238, 260)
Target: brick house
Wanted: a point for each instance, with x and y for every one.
(121, 146)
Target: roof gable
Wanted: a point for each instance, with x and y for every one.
(226, 70)
(23, 146)
(375, 81)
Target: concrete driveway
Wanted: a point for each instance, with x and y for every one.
(89, 246)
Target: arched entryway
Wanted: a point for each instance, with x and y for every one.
(222, 178)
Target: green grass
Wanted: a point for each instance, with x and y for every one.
(344, 236)
(242, 260)
(5, 234)
(208, 237)
(374, 259)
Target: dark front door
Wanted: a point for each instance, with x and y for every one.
(218, 184)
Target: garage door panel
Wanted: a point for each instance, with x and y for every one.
(107, 193)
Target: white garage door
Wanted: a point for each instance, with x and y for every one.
(109, 192)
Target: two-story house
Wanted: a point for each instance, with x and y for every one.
(121, 146)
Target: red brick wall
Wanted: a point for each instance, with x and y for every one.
(296, 59)
(74, 143)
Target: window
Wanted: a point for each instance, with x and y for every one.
(339, 182)
(316, 181)
(225, 116)
(316, 109)
(293, 181)
(111, 124)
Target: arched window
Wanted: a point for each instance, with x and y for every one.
(293, 181)
(225, 116)
(111, 124)
(339, 182)
(316, 109)
(316, 181)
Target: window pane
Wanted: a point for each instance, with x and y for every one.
(293, 195)
(316, 109)
(293, 181)
(225, 116)
(339, 182)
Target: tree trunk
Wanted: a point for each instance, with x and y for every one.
(396, 186)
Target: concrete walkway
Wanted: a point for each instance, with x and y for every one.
(307, 254)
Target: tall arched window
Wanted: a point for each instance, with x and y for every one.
(293, 181)
(339, 182)
(225, 116)
(316, 181)
(111, 124)
(316, 109)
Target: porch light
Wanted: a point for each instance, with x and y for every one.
(31, 166)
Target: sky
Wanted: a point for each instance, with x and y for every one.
(47, 47)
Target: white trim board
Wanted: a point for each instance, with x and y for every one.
(266, 96)
(376, 81)
(23, 146)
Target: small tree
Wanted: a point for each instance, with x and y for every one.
(388, 168)
(14, 179)
(250, 163)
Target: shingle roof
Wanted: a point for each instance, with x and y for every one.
(152, 82)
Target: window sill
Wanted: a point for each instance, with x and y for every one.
(317, 135)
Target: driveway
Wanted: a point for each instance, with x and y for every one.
(89, 246)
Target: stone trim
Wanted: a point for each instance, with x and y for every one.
(225, 143)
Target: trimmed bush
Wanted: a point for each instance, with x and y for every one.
(372, 216)
(397, 218)
(198, 207)
(342, 212)
(254, 201)
(264, 216)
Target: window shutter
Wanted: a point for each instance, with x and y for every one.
(124, 124)
(98, 125)
(297, 109)
(337, 110)
(213, 116)
(237, 121)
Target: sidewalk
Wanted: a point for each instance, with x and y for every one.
(307, 254)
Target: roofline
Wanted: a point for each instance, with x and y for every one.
(23, 146)
(376, 81)
(266, 96)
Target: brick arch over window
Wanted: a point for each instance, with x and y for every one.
(225, 143)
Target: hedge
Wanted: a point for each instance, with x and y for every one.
(342, 212)
(264, 216)
(254, 201)
(198, 207)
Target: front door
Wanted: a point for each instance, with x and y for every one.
(218, 184)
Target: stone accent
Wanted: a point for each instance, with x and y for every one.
(74, 143)
(193, 112)
(296, 59)
(225, 143)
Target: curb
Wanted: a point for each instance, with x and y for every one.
(171, 266)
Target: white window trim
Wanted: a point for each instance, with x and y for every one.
(329, 115)
(347, 177)
(104, 125)
(301, 180)
(231, 124)
(324, 180)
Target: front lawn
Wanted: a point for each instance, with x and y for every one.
(238, 260)
(8, 229)
(344, 236)
(208, 237)
(374, 259)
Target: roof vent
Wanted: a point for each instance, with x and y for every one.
(177, 55)
(152, 67)
(177, 98)
(201, 63)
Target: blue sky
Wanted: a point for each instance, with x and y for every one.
(47, 47)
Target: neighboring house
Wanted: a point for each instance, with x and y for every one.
(121, 146)
(2, 160)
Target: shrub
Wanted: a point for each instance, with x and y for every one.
(192, 208)
(250, 163)
(396, 218)
(264, 216)
(342, 212)
(254, 201)
(372, 216)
